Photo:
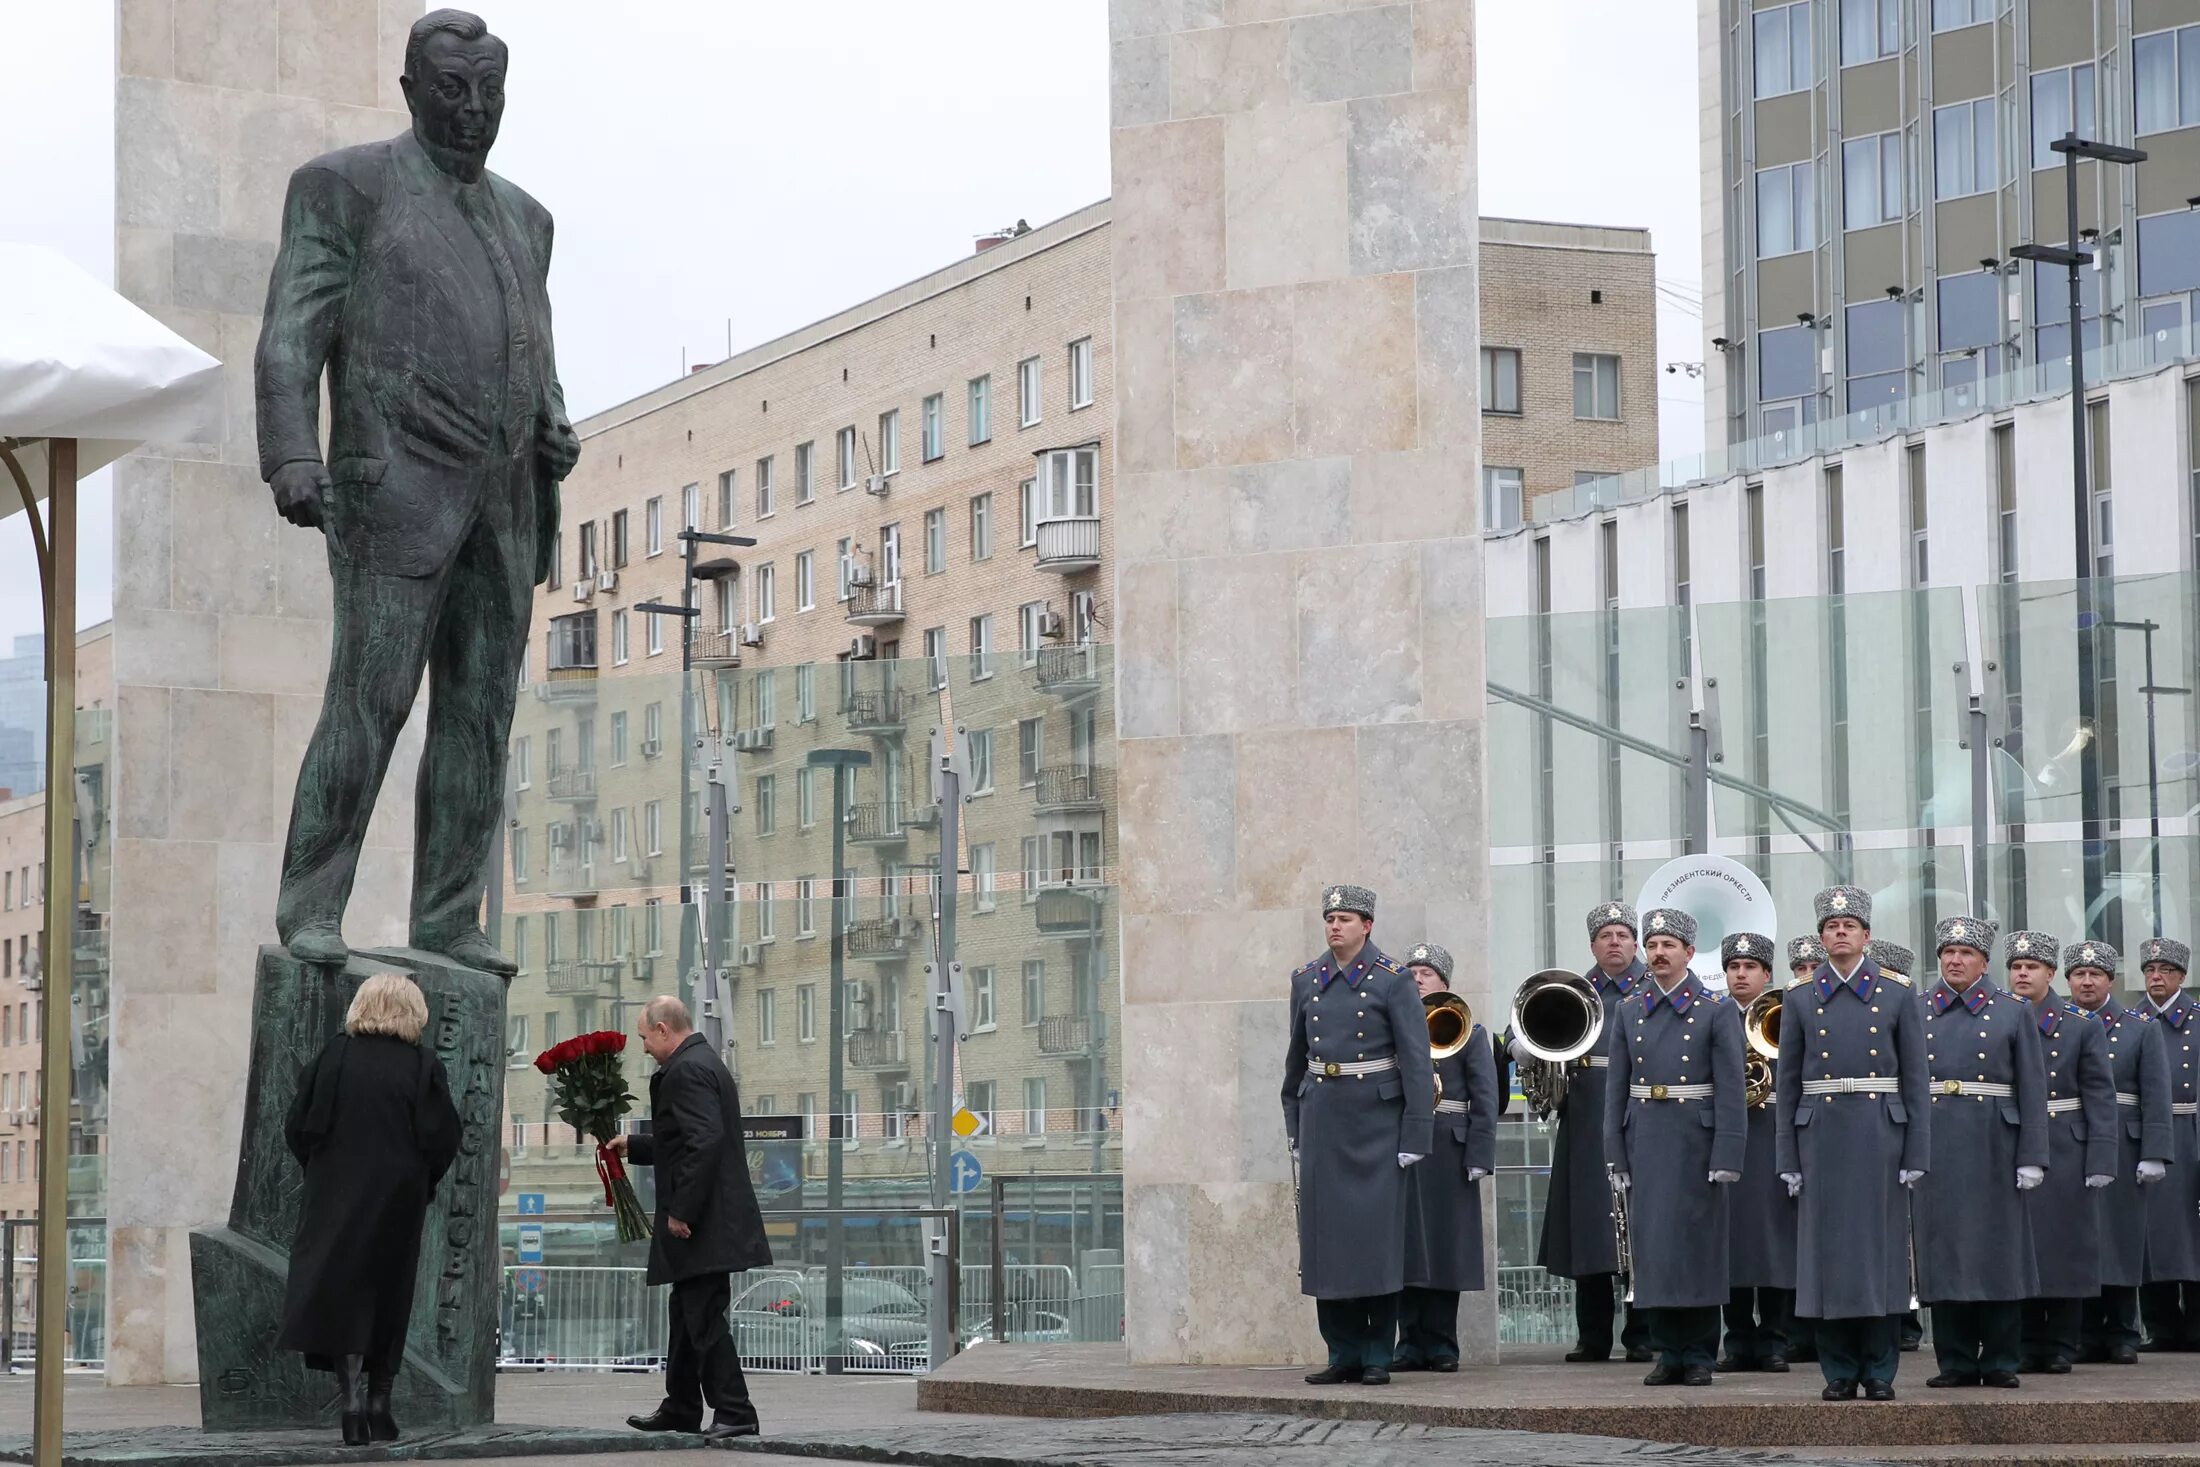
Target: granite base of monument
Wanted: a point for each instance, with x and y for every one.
(151, 1446)
(448, 1382)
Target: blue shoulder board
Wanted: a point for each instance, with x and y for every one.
(2141, 1015)
(1384, 962)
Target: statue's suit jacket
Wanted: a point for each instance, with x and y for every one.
(382, 280)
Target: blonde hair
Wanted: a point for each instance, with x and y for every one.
(388, 1003)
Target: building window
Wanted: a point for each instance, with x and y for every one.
(587, 566)
(935, 657)
(1502, 491)
(2169, 259)
(981, 527)
(889, 555)
(2051, 306)
(765, 699)
(767, 1016)
(618, 836)
(1837, 573)
(1035, 991)
(519, 855)
(1871, 180)
(618, 639)
(728, 482)
(1870, 29)
(805, 797)
(655, 641)
(981, 647)
(765, 507)
(978, 1096)
(618, 540)
(767, 913)
(2165, 75)
(1072, 484)
(523, 771)
(1035, 867)
(889, 441)
(2005, 503)
(767, 804)
(1920, 562)
(805, 1013)
(767, 592)
(723, 592)
(691, 507)
(618, 738)
(935, 541)
(984, 1016)
(981, 410)
(1596, 385)
(1949, 15)
(1027, 391)
(1035, 1105)
(1963, 149)
(653, 827)
(1878, 353)
(805, 692)
(1030, 744)
(573, 642)
(1753, 497)
(1500, 379)
(844, 451)
(1080, 373)
(805, 472)
(805, 907)
(1787, 210)
(805, 581)
(2062, 100)
(653, 521)
(2104, 519)
(1783, 50)
(934, 432)
(845, 556)
(653, 727)
(1027, 504)
(1028, 633)
(981, 761)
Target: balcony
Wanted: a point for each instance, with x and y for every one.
(874, 606)
(717, 649)
(573, 785)
(881, 939)
(573, 684)
(883, 824)
(1070, 672)
(1065, 1034)
(1068, 546)
(1069, 789)
(574, 882)
(570, 976)
(1069, 911)
(880, 711)
(868, 1049)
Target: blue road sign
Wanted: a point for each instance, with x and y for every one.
(530, 1243)
(531, 1204)
(963, 1173)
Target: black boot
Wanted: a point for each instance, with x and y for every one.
(351, 1398)
(381, 1425)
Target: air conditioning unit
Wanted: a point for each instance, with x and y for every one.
(594, 829)
(645, 969)
(862, 649)
(583, 588)
(752, 634)
(607, 580)
(1050, 623)
(859, 575)
(875, 484)
(901, 1095)
(859, 1007)
(561, 836)
(907, 927)
(750, 955)
(651, 748)
(753, 740)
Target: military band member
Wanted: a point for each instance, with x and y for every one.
(1804, 955)
(1760, 1301)
(1577, 1240)
(2081, 1156)
(2139, 1067)
(1854, 1135)
(2169, 1301)
(1674, 1129)
(1444, 1193)
(1358, 1094)
(1975, 1263)
(1895, 961)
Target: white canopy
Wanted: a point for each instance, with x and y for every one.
(78, 361)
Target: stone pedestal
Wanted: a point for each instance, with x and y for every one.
(238, 1272)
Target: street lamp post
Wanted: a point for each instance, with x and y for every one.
(2151, 691)
(841, 762)
(2092, 847)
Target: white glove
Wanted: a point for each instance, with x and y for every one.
(1908, 1179)
(2029, 1177)
(1294, 1153)
(1722, 1178)
(2097, 1181)
(1794, 1181)
(1475, 1174)
(1408, 1158)
(1621, 1181)
(2151, 1171)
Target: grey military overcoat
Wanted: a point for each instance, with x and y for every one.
(1443, 1208)
(1760, 1214)
(1349, 1129)
(1677, 1217)
(2081, 1143)
(1852, 1256)
(2140, 1068)
(1577, 1239)
(2173, 1204)
(1973, 1227)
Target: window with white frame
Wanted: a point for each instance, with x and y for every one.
(981, 647)
(1871, 180)
(1027, 391)
(767, 912)
(805, 581)
(1949, 15)
(766, 581)
(844, 559)
(805, 1013)
(933, 421)
(764, 711)
(981, 526)
(1964, 149)
(1028, 637)
(653, 525)
(2165, 79)
(1035, 867)
(935, 541)
(618, 738)
(805, 906)
(805, 796)
(1870, 29)
(1080, 373)
(1035, 991)
(1072, 483)
(889, 554)
(767, 1016)
(1596, 385)
(935, 656)
(984, 1015)
(519, 855)
(1787, 210)
(984, 876)
(980, 412)
(653, 827)
(618, 638)
(1030, 747)
(523, 770)
(805, 472)
(1027, 511)
(765, 507)
(691, 507)
(844, 452)
(655, 641)
(981, 761)
(1502, 492)
(618, 539)
(619, 850)
(767, 803)
(728, 482)
(653, 724)
(805, 692)
(1500, 380)
(2062, 102)
(723, 591)
(1783, 49)
(889, 441)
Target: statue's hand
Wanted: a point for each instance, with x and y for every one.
(561, 448)
(299, 487)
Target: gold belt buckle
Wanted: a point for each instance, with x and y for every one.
(1951, 1087)
(1332, 1069)
(1657, 1092)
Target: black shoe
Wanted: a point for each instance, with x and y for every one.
(1583, 1355)
(2001, 1380)
(1950, 1379)
(1374, 1375)
(2122, 1355)
(1402, 1366)
(1335, 1375)
(1838, 1390)
(1696, 1375)
(1663, 1374)
(2149, 1345)
(1878, 1390)
(1775, 1363)
(381, 1425)
(351, 1387)
(1909, 1347)
(2055, 1365)
(663, 1420)
(1444, 1367)
(724, 1430)
(1732, 1364)
(1637, 1355)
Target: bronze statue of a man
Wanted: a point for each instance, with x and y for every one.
(416, 278)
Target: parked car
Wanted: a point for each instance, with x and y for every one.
(781, 1323)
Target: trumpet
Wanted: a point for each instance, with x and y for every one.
(1557, 1018)
(1761, 1031)
(1450, 1024)
(1620, 1233)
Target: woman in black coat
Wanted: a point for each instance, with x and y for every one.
(374, 1128)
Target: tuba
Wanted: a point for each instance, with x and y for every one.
(1557, 1018)
(1450, 1023)
(1722, 894)
(1761, 1032)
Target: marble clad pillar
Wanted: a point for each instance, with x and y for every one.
(221, 618)
(1299, 596)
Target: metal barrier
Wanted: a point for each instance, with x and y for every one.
(84, 1326)
(1534, 1307)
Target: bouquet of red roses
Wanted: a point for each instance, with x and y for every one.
(591, 1095)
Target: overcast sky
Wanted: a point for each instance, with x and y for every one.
(766, 165)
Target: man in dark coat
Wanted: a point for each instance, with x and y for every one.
(708, 1223)
(1577, 1241)
(1982, 1048)
(1854, 1136)
(2140, 1067)
(1804, 954)
(1444, 1193)
(1760, 1304)
(1359, 1097)
(416, 280)
(1675, 1131)
(2169, 1300)
(2081, 1157)
(1898, 963)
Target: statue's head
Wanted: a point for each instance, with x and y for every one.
(454, 82)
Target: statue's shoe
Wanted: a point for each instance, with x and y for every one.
(472, 950)
(320, 942)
